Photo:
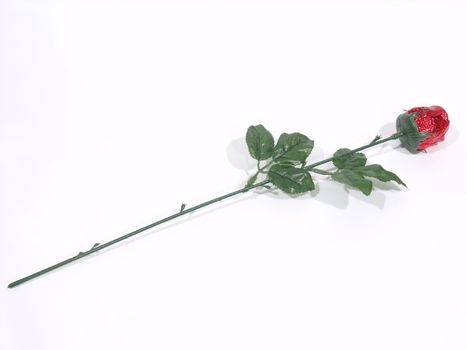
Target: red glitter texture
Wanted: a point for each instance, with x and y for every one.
(433, 120)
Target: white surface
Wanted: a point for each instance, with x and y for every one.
(114, 113)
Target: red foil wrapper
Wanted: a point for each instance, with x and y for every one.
(433, 120)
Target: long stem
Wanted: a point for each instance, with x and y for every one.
(182, 212)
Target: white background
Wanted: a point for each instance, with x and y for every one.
(113, 113)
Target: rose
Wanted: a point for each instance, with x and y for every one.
(284, 164)
(422, 127)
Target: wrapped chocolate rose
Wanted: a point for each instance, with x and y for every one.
(282, 164)
(422, 127)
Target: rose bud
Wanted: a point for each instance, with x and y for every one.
(422, 127)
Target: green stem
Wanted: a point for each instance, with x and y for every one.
(321, 171)
(184, 211)
(371, 144)
(260, 169)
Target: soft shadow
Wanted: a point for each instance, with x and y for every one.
(316, 155)
(376, 198)
(387, 129)
(238, 156)
(337, 195)
(278, 194)
(331, 193)
(451, 137)
(386, 186)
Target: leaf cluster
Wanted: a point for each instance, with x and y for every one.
(282, 159)
(284, 163)
(353, 171)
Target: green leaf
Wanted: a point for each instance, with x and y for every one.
(291, 180)
(260, 142)
(344, 160)
(286, 163)
(411, 135)
(293, 147)
(354, 179)
(378, 172)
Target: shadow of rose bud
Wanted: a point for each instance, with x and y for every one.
(422, 127)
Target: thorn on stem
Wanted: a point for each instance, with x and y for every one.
(94, 246)
(377, 137)
(182, 207)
